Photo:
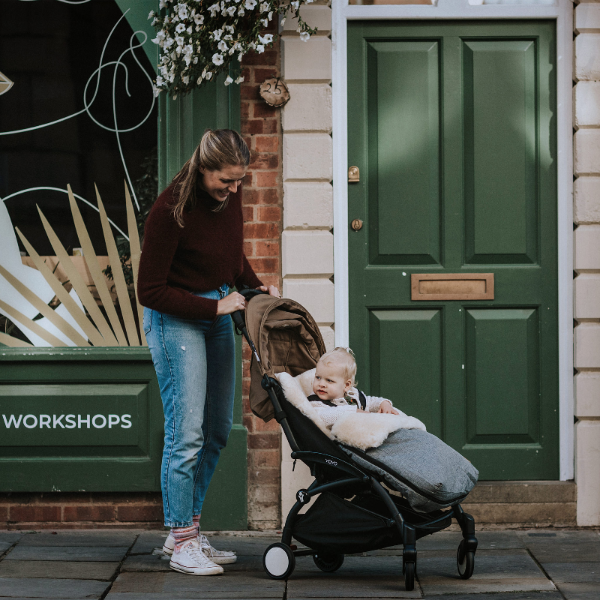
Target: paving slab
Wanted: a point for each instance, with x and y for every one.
(103, 571)
(145, 563)
(10, 537)
(584, 572)
(579, 591)
(229, 585)
(62, 589)
(62, 553)
(539, 537)
(80, 538)
(148, 540)
(496, 571)
(566, 552)
(4, 546)
(507, 596)
(358, 577)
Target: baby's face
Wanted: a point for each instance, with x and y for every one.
(329, 382)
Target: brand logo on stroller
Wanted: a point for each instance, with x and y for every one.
(331, 462)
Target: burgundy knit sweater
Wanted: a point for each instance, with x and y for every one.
(205, 253)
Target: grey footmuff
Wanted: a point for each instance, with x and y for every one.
(428, 473)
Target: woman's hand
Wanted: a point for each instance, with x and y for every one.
(273, 291)
(231, 303)
(387, 408)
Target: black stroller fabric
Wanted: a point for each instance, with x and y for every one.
(428, 472)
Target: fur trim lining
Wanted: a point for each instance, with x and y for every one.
(360, 430)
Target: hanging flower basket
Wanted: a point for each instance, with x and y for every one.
(198, 39)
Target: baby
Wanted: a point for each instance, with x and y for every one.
(334, 391)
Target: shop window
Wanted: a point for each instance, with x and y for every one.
(80, 111)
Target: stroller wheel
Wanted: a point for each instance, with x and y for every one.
(409, 576)
(465, 561)
(279, 561)
(328, 562)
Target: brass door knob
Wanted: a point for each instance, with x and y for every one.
(356, 224)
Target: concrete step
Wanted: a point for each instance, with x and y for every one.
(523, 503)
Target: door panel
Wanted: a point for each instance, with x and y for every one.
(403, 85)
(452, 127)
(500, 151)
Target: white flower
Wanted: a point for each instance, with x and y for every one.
(168, 43)
(228, 37)
(195, 61)
(265, 22)
(217, 59)
(187, 50)
(231, 51)
(185, 79)
(239, 79)
(182, 9)
(222, 46)
(216, 34)
(160, 81)
(154, 21)
(208, 75)
(162, 4)
(264, 7)
(250, 4)
(180, 28)
(283, 21)
(198, 19)
(295, 5)
(151, 14)
(260, 48)
(180, 41)
(214, 9)
(160, 38)
(228, 80)
(240, 56)
(199, 80)
(270, 16)
(305, 36)
(229, 28)
(189, 30)
(241, 11)
(156, 91)
(267, 39)
(231, 11)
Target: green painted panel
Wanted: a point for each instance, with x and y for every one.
(403, 90)
(412, 380)
(502, 350)
(501, 148)
(496, 172)
(136, 13)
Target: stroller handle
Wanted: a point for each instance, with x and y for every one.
(237, 316)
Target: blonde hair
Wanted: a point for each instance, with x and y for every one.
(217, 148)
(344, 358)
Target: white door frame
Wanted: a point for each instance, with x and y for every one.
(562, 12)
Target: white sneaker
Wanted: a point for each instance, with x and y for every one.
(219, 557)
(191, 559)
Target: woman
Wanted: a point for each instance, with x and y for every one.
(192, 255)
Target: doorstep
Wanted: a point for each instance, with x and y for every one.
(523, 503)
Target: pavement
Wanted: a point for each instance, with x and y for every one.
(124, 565)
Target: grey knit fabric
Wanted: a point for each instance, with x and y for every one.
(428, 473)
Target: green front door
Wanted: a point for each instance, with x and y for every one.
(453, 128)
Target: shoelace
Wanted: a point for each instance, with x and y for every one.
(197, 553)
(205, 545)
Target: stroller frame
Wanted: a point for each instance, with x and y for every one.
(279, 558)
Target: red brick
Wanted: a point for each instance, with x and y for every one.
(246, 403)
(248, 139)
(246, 73)
(249, 92)
(248, 248)
(267, 144)
(246, 368)
(247, 182)
(142, 512)
(264, 477)
(3, 514)
(263, 441)
(261, 231)
(271, 279)
(268, 196)
(269, 179)
(264, 265)
(269, 213)
(270, 126)
(260, 74)
(260, 425)
(248, 213)
(263, 111)
(245, 110)
(253, 126)
(266, 458)
(245, 387)
(268, 57)
(33, 513)
(265, 161)
(248, 421)
(89, 513)
(266, 249)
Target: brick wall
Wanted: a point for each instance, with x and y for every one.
(76, 510)
(262, 202)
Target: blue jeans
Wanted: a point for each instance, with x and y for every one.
(195, 365)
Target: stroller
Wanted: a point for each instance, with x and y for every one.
(354, 512)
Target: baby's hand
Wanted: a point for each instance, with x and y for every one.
(387, 408)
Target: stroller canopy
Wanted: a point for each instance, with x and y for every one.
(286, 337)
